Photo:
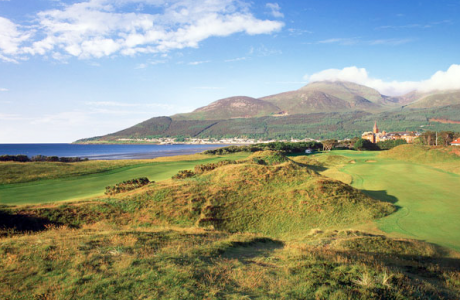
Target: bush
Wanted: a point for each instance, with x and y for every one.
(18, 158)
(184, 174)
(126, 186)
(199, 169)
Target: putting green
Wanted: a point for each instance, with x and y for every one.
(428, 198)
(85, 186)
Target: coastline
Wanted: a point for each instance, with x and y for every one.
(105, 151)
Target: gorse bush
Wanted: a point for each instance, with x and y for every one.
(199, 169)
(182, 174)
(128, 185)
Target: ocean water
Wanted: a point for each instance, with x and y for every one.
(104, 152)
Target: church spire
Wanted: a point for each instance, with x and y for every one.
(376, 129)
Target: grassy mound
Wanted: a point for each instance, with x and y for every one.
(422, 154)
(268, 157)
(445, 158)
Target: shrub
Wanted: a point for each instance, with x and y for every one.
(184, 174)
(128, 185)
(199, 169)
(18, 158)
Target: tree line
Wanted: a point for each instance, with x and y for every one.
(25, 158)
(289, 147)
(442, 138)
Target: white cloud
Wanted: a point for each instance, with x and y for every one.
(275, 10)
(100, 28)
(391, 42)
(262, 50)
(141, 66)
(195, 63)
(3, 90)
(357, 40)
(298, 32)
(417, 25)
(236, 59)
(441, 80)
(340, 41)
(11, 39)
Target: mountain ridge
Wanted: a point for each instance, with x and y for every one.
(317, 110)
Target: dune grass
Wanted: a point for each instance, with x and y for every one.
(108, 262)
(83, 180)
(427, 197)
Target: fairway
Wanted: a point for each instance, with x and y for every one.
(428, 199)
(80, 187)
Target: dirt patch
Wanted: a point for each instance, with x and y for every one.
(445, 121)
(371, 161)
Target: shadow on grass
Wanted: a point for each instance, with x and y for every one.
(244, 251)
(381, 195)
(316, 168)
(22, 222)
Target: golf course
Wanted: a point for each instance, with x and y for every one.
(427, 198)
(92, 185)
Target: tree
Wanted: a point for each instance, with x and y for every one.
(363, 144)
(445, 137)
(428, 138)
(329, 144)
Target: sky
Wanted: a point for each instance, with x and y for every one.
(72, 69)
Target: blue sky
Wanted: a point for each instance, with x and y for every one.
(74, 69)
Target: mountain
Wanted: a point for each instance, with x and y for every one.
(317, 110)
(328, 96)
(437, 99)
(231, 108)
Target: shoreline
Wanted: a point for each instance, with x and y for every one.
(106, 151)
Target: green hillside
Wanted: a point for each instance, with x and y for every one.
(328, 97)
(445, 98)
(231, 108)
(346, 90)
(318, 125)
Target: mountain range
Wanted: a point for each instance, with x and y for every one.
(318, 110)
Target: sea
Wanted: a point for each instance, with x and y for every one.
(104, 152)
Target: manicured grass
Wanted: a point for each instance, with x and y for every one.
(84, 186)
(427, 197)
